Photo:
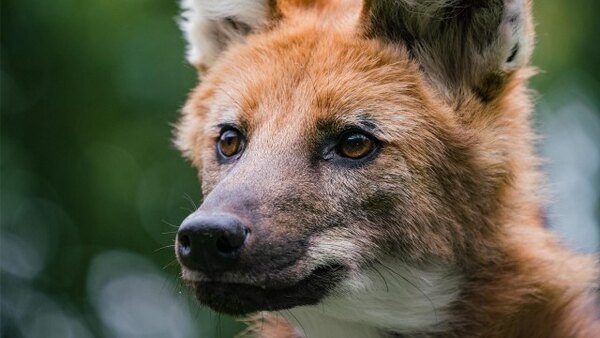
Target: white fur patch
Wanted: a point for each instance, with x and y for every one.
(514, 35)
(202, 24)
(390, 297)
(310, 323)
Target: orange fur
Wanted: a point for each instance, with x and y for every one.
(482, 206)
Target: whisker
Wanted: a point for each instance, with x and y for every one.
(170, 224)
(171, 263)
(165, 247)
(387, 289)
(191, 200)
(415, 286)
(187, 209)
(300, 324)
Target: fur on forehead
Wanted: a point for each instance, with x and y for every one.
(495, 36)
(209, 25)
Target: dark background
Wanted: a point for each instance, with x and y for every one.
(92, 189)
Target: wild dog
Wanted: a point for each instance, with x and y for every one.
(368, 170)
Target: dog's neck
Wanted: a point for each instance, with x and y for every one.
(397, 300)
(310, 322)
(387, 298)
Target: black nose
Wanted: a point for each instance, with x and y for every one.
(210, 243)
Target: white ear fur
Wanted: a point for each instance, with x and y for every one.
(517, 43)
(210, 25)
(513, 46)
(463, 45)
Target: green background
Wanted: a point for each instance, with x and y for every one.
(92, 189)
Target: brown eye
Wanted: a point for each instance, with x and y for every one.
(230, 142)
(355, 146)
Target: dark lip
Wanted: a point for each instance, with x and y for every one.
(241, 299)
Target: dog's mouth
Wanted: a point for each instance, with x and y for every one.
(240, 299)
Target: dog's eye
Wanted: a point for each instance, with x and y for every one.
(355, 145)
(230, 142)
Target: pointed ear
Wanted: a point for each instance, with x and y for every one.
(210, 26)
(462, 45)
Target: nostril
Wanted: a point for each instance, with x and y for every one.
(185, 245)
(211, 243)
(231, 242)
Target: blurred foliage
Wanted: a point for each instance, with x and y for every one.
(89, 89)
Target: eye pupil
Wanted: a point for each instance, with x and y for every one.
(356, 146)
(230, 142)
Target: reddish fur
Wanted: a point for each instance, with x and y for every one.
(266, 325)
(521, 282)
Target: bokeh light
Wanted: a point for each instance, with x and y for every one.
(92, 190)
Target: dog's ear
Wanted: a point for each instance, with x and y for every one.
(462, 45)
(211, 25)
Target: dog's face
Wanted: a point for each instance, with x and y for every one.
(324, 150)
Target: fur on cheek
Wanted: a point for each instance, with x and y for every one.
(390, 296)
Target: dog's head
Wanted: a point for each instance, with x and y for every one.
(333, 136)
